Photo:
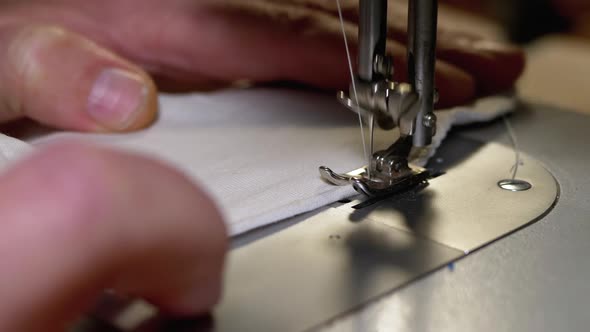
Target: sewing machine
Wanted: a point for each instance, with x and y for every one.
(377, 98)
(412, 262)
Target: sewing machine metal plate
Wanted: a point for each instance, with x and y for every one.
(339, 258)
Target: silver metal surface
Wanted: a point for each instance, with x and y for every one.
(340, 179)
(534, 280)
(394, 104)
(424, 15)
(319, 269)
(372, 37)
(515, 185)
(430, 120)
(465, 209)
(386, 176)
(339, 259)
(408, 106)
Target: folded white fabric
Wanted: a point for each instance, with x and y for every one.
(11, 149)
(258, 151)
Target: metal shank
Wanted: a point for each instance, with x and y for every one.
(378, 95)
(423, 21)
(408, 106)
(372, 37)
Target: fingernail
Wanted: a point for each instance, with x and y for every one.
(117, 98)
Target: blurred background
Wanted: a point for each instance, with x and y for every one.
(556, 36)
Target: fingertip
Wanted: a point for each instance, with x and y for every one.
(122, 100)
(64, 80)
(196, 299)
(509, 62)
(495, 66)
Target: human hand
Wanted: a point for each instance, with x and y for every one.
(78, 219)
(91, 66)
(88, 65)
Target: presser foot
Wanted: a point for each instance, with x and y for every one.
(375, 187)
(388, 174)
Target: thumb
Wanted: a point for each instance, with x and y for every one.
(76, 219)
(63, 80)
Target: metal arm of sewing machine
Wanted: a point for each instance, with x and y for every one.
(376, 96)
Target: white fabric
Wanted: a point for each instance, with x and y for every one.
(258, 151)
(11, 149)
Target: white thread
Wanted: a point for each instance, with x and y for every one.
(358, 108)
(514, 140)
